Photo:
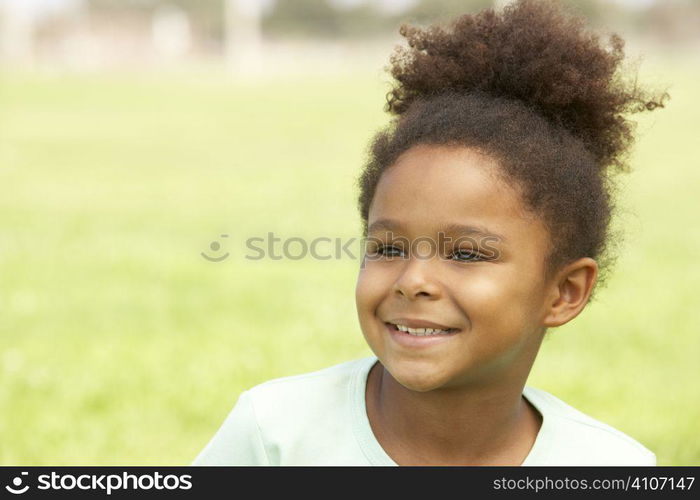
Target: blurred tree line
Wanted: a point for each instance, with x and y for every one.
(344, 19)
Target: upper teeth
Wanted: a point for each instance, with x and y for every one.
(421, 331)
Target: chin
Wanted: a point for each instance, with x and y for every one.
(417, 378)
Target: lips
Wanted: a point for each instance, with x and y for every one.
(420, 323)
(407, 340)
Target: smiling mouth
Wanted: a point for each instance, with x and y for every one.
(421, 332)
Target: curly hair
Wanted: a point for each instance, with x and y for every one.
(532, 88)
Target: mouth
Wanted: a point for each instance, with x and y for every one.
(419, 338)
(421, 332)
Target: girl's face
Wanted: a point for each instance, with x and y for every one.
(487, 288)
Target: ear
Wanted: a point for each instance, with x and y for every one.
(570, 292)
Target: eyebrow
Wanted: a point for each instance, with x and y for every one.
(453, 229)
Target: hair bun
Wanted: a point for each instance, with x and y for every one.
(536, 53)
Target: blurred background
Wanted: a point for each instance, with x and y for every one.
(138, 135)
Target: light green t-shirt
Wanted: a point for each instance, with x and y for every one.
(320, 418)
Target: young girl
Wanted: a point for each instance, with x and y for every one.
(486, 205)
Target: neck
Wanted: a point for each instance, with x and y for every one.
(481, 424)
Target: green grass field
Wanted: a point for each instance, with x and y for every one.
(120, 344)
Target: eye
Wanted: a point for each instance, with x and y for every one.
(467, 256)
(388, 251)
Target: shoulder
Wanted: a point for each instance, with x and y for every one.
(571, 437)
(305, 407)
(290, 420)
(317, 387)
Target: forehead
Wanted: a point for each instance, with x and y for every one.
(430, 187)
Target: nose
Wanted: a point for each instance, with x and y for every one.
(417, 279)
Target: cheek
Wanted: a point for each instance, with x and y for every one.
(499, 303)
(370, 289)
(498, 307)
